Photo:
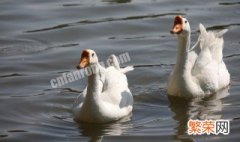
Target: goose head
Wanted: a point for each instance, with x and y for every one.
(88, 57)
(181, 26)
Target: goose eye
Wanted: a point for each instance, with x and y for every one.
(92, 54)
(185, 21)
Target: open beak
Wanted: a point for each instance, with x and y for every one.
(84, 60)
(178, 26)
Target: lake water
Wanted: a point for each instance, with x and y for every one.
(41, 39)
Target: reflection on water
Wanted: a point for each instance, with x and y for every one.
(96, 131)
(197, 108)
(183, 109)
(41, 39)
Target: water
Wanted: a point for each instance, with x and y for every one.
(40, 40)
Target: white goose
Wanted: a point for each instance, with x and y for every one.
(199, 71)
(107, 97)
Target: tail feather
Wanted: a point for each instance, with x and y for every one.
(221, 33)
(212, 41)
(202, 29)
(127, 69)
(113, 61)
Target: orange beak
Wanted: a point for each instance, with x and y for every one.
(84, 61)
(177, 27)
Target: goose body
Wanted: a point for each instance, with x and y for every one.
(199, 71)
(107, 97)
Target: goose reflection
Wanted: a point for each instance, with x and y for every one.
(197, 108)
(96, 131)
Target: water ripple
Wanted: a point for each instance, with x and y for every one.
(232, 55)
(219, 27)
(229, 3)
(17, 131)
(3, 136)
(83, 22)
(11, 75)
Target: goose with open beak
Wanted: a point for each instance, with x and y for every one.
(107, 97)
(199, 71)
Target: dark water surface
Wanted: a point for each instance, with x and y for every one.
(41, 39)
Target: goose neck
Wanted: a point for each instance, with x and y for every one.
(183, 50)
(95, 80)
